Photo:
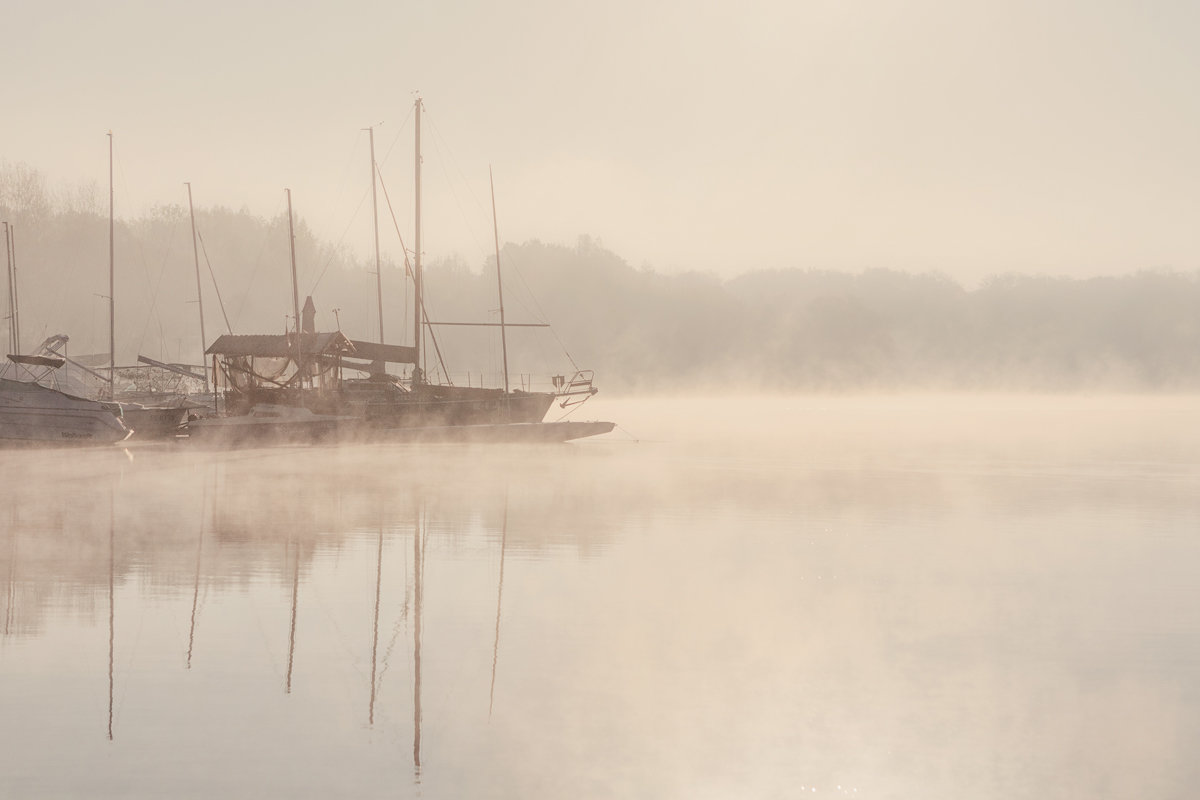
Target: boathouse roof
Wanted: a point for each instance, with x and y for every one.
(281, 345)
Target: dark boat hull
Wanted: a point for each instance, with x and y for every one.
(514, 432)
(154, 422)
(440, 406)
(298, 426)
(384, 407)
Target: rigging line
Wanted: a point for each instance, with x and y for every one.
(337, 201)
(323, 604)
(411, 110)
(482, 208)
(450, 184)
(402, 620)
(333, 252)
(152, 314)
(137, 240)
(258, 258)
(212, 275)
(542, 314)
(439, 137)
(514, 266)
(397, 628)
(449, 154)
(409, 270)
(570, 410)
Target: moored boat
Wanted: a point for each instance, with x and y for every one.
(33, 414)
(269, 424)
(318, 372)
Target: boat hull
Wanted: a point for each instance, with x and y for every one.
(269, 424)
(513, 432)
(290, 425)
(37, 415)
(148, 422)
(442, 406)
(382, 406)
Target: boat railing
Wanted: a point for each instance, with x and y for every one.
(576, 390)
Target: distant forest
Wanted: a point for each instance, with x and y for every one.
(792, 329)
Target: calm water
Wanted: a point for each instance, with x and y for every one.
(915, 597)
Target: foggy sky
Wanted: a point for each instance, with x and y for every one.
(969, 138)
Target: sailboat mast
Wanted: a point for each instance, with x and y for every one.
(417, 245)
(112, 319)
(499, 281)
(295, 291)
(15, 298)
(12, 338)
(375, 222)
(199, 294)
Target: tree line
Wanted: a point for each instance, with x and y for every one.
(640, 330)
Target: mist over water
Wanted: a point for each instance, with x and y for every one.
(870, 596)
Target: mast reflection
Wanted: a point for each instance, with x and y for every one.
(375, 627)
(11, 594)
(196, 585)
(112, 560)
(418, 594)
(292, 630)
(499, 596)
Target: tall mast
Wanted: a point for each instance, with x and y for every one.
(12, 338)
(499, 282)
(199, 294)
(15, 299)
(417, 245)
(295, 292)
(375, 222)
(112, 324)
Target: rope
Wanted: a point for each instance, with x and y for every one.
(540, 314)
(399, 131)
(152, 314)
(257, 261)
(334, 250)
(212, 275)
(408, 269)
(443, 150)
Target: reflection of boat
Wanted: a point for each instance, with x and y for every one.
(305, 368)
(36, 414)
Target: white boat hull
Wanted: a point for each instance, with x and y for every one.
(34, 414)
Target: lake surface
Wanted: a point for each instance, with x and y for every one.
(874, 597)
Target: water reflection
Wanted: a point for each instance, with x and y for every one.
(112, 604)
(196, 582)
(499, 597)
(375, 628)
(741, 617)
(419, 533)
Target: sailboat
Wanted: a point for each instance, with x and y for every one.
(32, 413)
(150, 415)
(305, 369)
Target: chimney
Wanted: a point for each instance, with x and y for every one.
(308, 316)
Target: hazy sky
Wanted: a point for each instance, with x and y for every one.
(959, 136)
